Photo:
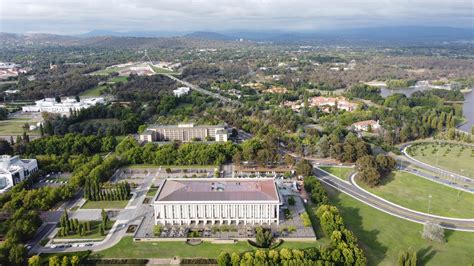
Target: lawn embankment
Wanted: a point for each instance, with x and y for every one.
(413, 192)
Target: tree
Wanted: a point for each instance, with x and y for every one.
(433, 232)
(223, 259)
(65, 261)
(235, 259)
(304, 168)
(289, 160)
(17, 254)
(105, 219)
(34, 261)
(57, 99)
(78, 99)
(407, 258)
(5, 147)
(53, 261)
(75, 261)
(237, 158)
(370, 176)
(291, 201)
(263, 237)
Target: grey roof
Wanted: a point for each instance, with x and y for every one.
(223, 189)
(155, 126)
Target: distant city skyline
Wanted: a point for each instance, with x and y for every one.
(77, 17)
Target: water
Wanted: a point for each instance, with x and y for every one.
(468, 107)
(468, 111)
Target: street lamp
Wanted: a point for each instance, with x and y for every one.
(429, 203)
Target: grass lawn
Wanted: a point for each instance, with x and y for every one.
(94, 92)
(152, 192)
(160, 70)
(181, 249)
(107, 71)
(93, 234)
(413, 192)
(341, 172)
(15, 127)
(113, 204)
(383, 236)
(118, 79)
(451, 157)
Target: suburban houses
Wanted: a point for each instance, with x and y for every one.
(326, 104)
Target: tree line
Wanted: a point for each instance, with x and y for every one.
(94, 191)
(175, 154)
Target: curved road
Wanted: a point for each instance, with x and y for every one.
(352, 190)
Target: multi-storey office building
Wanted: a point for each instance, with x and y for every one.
(217, 201)
(184, 133)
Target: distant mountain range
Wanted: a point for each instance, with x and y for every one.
(366, 36)
(400, 33)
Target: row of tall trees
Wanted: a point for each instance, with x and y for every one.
(70, 226)
(94, 191)
(344, 243)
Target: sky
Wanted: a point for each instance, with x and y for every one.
(81, 16)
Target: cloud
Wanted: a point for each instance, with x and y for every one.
(74, 16)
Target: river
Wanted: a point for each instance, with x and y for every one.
(468, 107)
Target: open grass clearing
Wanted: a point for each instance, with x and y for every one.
(160, 70)
(453, 157)
(181, 249)
(412, 191)
(105, 204)
(341, 172)
(15, 127)
(383, 236)
(152, 192)
(94, 92)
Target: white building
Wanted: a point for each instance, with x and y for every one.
(366, 125)
(51, 106)
(217, 201)
(181, 91)
(14, 170)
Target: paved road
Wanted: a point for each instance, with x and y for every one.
(367, 198)
(453, 179)
(352, 190)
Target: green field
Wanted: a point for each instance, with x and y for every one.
(94, 92)
(113, 204)
(341, 172)
(107, 71)
(383, 236)
(152, 192)
(118, 79)
(411, 191)
(181, 249)
(93, 234)
(160, 70)
(451, 157)
(15, 127)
